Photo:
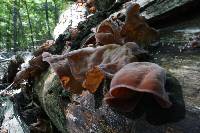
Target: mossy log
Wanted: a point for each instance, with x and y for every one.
(48, 90)
(84, 116)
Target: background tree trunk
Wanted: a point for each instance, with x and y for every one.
(30, 25)
(8, 35)
(47, 18)
(21, 37)
(15, 26)
(56, 11)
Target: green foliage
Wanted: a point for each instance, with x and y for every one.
(29, 20)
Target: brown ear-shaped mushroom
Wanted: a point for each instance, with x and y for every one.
(94, 77)
(108, 32)
(132, 10)
(73, 33)
(60, 65)
(83, 64)
(35, 68)
(121, 103)
(136, 29)
(104, 38)
(105, 27)
(44, 47)
(89, 40)
(135, 48)
(92, 10)
(139, 77)
(87, 63)
(128, 53)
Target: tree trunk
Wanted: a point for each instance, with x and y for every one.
(47, 18)
(8, 35)
(21, 27)
(56, 11)
(30, 25)
(15, 25)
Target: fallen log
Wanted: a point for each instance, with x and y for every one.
(161, 13)
(81, 115)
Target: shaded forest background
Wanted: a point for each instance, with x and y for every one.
(26, 23)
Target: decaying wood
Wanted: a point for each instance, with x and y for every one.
(93, 21)
(82, 116)
(166, 13)
(169, 12)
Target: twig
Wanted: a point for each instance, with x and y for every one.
(7, 88)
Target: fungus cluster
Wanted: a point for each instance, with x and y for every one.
(112, 52)
(134, 29)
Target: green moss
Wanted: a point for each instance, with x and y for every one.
(48, 89)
